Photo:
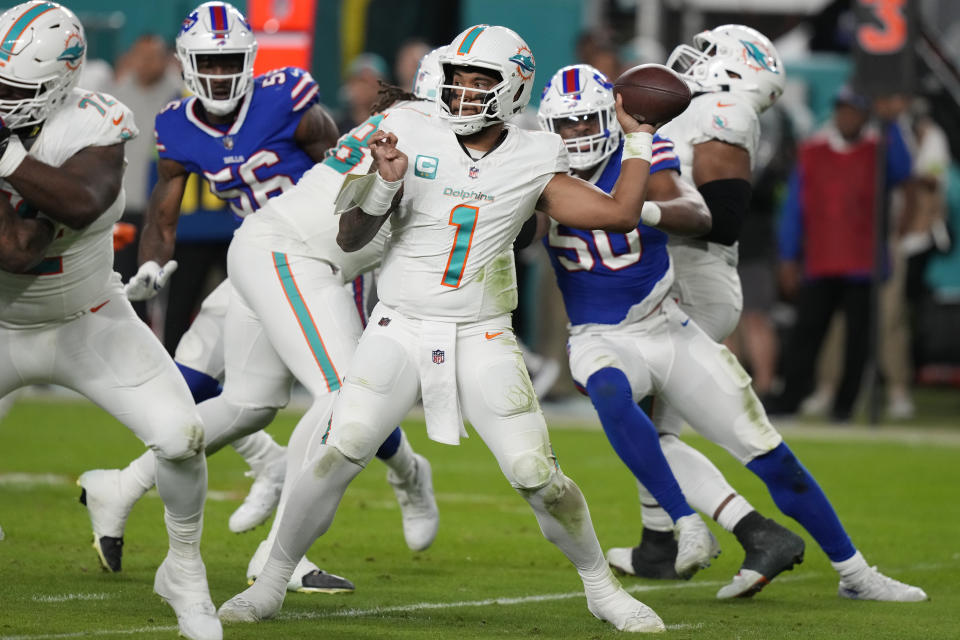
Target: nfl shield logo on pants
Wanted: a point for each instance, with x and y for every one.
(437, 356)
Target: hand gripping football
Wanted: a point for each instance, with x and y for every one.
(652, 93)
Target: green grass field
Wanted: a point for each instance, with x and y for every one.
(489, 574)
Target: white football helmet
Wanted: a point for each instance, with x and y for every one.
(496, 49)
(216, 28)
(732, 49)
(41, 55)
(429, 75)
(580, 92)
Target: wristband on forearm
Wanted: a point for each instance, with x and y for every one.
(650, 214)
(379, 196)
(638, 145)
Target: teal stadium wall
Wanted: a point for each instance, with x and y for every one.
(550, 28)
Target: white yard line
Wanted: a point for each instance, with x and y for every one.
(33, 479)
(29, 480)
(424, 606)
(73, 596)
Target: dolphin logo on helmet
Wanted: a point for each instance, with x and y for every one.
(41, 54)
(505, 55)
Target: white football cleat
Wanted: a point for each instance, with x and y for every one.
(621, 560)
(306, 578)
(745, 584)
(870, 584)
(184, 587)
(103, 496)
(243, 608)
(625, 613)
(421, 518)
(696, 546)
(262, 499)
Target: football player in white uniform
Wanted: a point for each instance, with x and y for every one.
(442, 328)
(735, 73)
(275, 126)
(64, 318)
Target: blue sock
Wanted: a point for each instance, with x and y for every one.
(390, 445)
(798, 495)
(202, 386)
(635, 439)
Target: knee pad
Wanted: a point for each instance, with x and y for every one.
(532, 471)
(549, 495)
(356, 441)
(180, 442)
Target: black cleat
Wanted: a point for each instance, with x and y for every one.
(654, 557)
(108, 548)
(770, 549)
(319, 581)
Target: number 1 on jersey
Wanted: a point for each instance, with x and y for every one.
(464, 218)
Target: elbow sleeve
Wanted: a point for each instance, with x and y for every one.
(728, 201)
(527, 233)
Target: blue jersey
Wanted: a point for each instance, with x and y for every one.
(252, 159)
(602, 275)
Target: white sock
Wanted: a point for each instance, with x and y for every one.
(258, 450)
(312, 497)
(599, 581)
(402, 463)
(704, 487)
(574, 534)
(141, 474)
(653, 515)
(852, 565)
(182, 485)
(733, 512)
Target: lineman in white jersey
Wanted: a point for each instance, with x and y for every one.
(715, 140)
(735, 73)
(442, 328)
(64, 318)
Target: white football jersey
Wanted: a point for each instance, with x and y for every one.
(450, 255)
(301, 220)
(711, 116)
(79, 263)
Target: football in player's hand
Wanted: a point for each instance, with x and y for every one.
(652, 93)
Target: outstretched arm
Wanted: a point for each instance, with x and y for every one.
(23, 242)
(576, 203)
(159, 232)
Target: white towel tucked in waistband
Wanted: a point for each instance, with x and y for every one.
(438, 382)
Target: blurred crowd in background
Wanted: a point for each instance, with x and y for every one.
(806, 275)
